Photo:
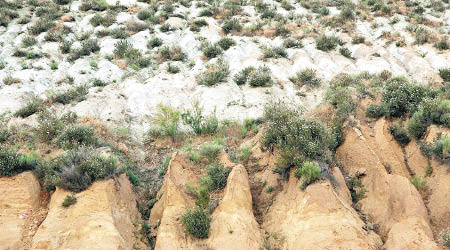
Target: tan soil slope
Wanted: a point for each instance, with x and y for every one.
(318, 218)
(391, 200)
(18, 195)
(233, 225)
(101, 219)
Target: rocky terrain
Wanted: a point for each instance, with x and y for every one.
(224, 124)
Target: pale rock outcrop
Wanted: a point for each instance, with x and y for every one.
(102, 218)
(19, 198)
(317, 218)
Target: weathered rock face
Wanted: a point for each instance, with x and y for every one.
(233, 225)
(391, 201)
(318, 218)
(19, 198)
(102, 218)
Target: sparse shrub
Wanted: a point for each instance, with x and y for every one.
(145, 14)
(134, 27)
(4, 135)
(417, 124)
(168, 120)
(119, 33)
(341, 99)
(69, 200)
(244, 153)
(445, 74)
(198, 122)
(42, 26)
(226, 43)
(358, 40)
(196, 222)
(375, 110)
(28, 41)
(76, 94)
(310, 171)
(173, 53)
(292, 43)
(346, 52)
(400, 135)
(166, 27)
(217, 177)
(12, 163)
(232, 25)
(173, 69)
(306, 77)
(274, 52)
(154, 42)
(211, 151)
(76, 136)
(445, 235)
(214, 73)
(211, 50)
(327, 43)
(242, 77)
(98, 5)
(33, 106)
(65, 46)
(442, 44)
(422, 35)
(261, 77)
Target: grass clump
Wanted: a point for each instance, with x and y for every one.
(217, 177)
(310, 172)
(28, 41)
(173, 53)
(69, 200)
(375, 110)
(327, 43)
(274, 52)
(226, 43)
(242, 77)
(419, 183)
(196, 222)
(231, 25)
(211, 50)
(154, 42)
(211, 151)
(167, 120)
(214, 73)
(76, 136)
(445, 74)
(306, 77)
(261, 77)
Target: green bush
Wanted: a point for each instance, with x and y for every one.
(196, 222)
(217, 177)
(401, 97)
(226, 43)
(261, 77)
(306, 77)
(346, 52)
(28, 41)
(445, 235)
(214, 73)
(327, 43)
(375, 110)
(310, 171)
(419, 183)
(173, 53)
(69, 200)
(341, 99)
(445, 74)
(292, 43)
(4, 135)
(400, 135)
(242, 77)
(75, 136)
(211, 151)
(211, 50)
(98, 5)
(274, 52)
(12, 163)
(232, 25)
(154, 42)
(298, 137)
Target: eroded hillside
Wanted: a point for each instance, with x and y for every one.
(234, 124)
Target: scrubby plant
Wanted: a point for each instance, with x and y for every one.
(196, 222)
(154, 42)
(341, 99)
(445, 74)
(69, 200)
(200, 124)
(375, 110)
(232, 25)
(346, 52)
(76, 94)
(422, 35)
(242, 77)
(442, 44)
(419, 183)
(310, 172)
(327, 43)
(400, 135)
(98, 5)
(12, 162)
(292, 43)
(173, 53)
(226, 43)
(273, 52)
(261, 77)
(217, 177)
(33, 106)
(28, 41)
(445, 235)
(214, 73)
(76, 136)
(306, 77)
(145, 14)
(211, 50)
(173, 69)
(42, 26)
(4, 135)
(211, 151)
